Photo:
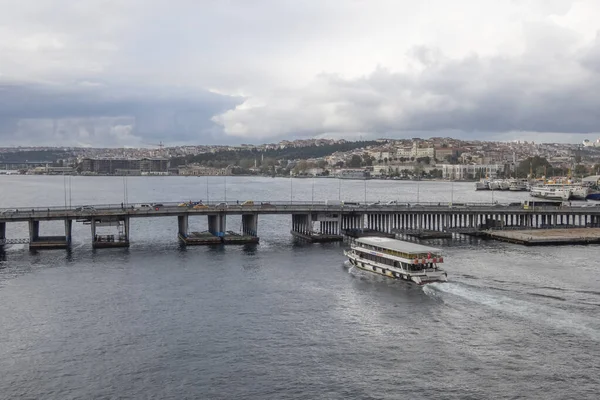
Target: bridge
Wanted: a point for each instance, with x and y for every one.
(312, 221)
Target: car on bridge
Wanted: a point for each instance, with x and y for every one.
(85, 208)
(200, 206)
(8, 211)
(248, 203)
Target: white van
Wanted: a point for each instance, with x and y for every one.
(143, 206)
(334, 203)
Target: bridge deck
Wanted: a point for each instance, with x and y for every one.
(114, 211)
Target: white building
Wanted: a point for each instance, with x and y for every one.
(470, 171)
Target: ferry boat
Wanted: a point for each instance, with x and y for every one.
(560, 191)
(397, 259)
(551, 192)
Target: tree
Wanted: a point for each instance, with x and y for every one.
(537, 164)
(246, 163)
(355, 161)
(321, 163)
(580, 170)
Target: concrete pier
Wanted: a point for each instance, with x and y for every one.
(548, 237)
(120, 239)
(302, 227)
(37, 242)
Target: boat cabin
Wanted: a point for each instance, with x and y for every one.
(399, 254)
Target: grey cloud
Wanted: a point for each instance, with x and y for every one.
(99, 114)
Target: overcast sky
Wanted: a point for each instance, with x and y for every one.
(137, 72)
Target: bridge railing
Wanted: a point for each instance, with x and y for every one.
(221, 204)
(186, 203)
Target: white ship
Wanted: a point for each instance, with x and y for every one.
(483, 184)
(559, 191)
(551, 192)
(397, 259)
(494, 185)
(518, 185)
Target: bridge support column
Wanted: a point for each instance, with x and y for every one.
(2, 234)
(217, 224)
(34, 231)
(121, 239)
(37, 242)
(182, 226)
(250, 224)
(68, 229)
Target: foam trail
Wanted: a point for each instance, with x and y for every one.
(540, 313)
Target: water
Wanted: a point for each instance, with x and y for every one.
(286, 320)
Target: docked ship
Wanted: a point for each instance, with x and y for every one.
(551, 192)
(518, 185)
(483, 184)
(397, 259)
(354, 174)
(559, 191)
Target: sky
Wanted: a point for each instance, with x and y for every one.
(114, 73)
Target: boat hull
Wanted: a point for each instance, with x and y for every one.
(593, 196)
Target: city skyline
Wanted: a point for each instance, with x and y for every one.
(134, 74)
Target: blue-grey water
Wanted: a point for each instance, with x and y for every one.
(283, 319)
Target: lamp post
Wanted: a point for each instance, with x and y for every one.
(207, 198)
(291, 188)
(313, 190)
(225, 185)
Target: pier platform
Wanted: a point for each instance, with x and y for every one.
(49, 242)
(199, 239)
(366, 232)
(317, 237)
(235, 238)
(109, 241)
(424, 233)
(541, 237)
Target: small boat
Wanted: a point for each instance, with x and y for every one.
(593, 194)
(397, 259)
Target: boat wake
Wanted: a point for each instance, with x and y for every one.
(558, 318)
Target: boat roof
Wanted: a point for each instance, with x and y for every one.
(397, 245)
